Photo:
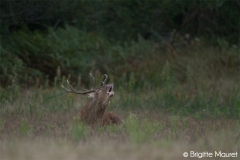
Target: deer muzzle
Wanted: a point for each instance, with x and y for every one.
(110, 91)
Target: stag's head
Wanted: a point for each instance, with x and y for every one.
(94, 110)
(104, 92)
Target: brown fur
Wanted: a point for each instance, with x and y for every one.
(111, 118)
(93, 113)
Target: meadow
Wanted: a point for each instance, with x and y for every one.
(40, 122)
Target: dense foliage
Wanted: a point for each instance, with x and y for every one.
(116, 37)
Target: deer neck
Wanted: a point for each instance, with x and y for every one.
(94, 110)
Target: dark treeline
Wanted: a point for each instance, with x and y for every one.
(122, 19)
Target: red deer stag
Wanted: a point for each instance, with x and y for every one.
(93, 112)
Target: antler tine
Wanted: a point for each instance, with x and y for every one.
(105, 80)
(94, 82)
(74, 91)
(65, 89)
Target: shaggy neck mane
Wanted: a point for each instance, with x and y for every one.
(94, 110)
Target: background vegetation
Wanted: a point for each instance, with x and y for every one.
(175, 66)
(114, 37)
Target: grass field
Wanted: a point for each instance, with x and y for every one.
(171, 102)
(41, 123)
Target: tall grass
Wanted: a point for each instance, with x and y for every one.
(171, 119)
(39, 110)
(200, 97)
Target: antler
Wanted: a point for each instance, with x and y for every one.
(94, 82)
(105, 80)
(71, 90)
